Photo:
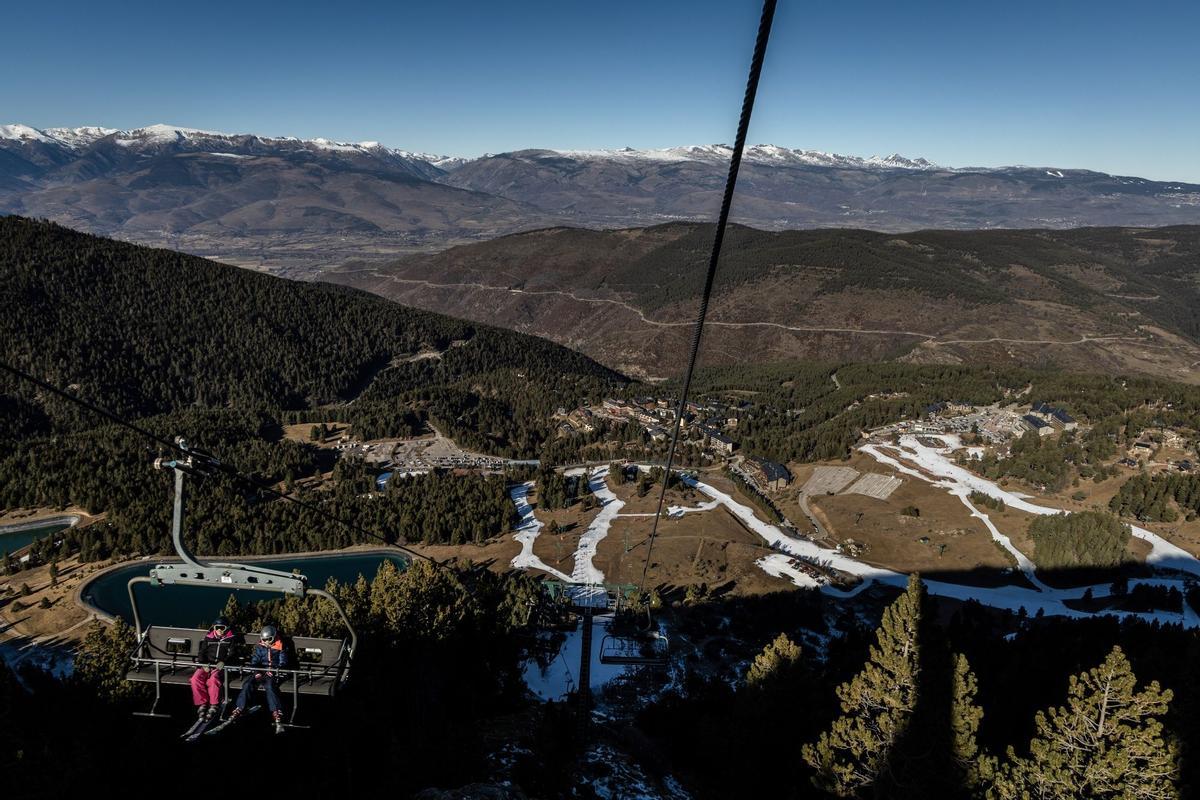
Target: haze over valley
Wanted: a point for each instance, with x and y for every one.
(298, 206)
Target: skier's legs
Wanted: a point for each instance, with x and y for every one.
(199, 689)
(272, 695)
(244, 695)
(216, 680)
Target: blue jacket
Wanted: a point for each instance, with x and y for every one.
(271, 657)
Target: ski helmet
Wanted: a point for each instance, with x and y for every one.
(268, 633)
(221, 622)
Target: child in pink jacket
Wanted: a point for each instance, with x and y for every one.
(209, 679)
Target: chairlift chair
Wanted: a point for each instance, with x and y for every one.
(647, 650)
(168, 655)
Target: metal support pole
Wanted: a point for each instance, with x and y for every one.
(137, 620)
(177, 522)
(585, 672)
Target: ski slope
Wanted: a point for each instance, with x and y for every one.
(919, 462)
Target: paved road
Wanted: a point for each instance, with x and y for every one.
(822, 533)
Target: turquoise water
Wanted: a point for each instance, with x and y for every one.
(12, 542)
(194, 606)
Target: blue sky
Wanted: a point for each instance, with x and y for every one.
(1106, 85)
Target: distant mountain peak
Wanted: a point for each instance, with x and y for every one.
(21, 132)
(164, 134)
(770, 154)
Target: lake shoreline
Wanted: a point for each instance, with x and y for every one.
(83, 590)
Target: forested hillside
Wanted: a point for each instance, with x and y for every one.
(1091, 299)
(800, 412)
(146, 331)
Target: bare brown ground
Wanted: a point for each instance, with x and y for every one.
(302, 432)
(709, 547)
(62, 615)
(956, 541)
(558, 550)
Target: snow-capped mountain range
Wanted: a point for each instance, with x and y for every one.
(78, 138)
(767, 154)
(266, 200)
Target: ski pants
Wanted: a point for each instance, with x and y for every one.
(268, 685)
(206, 686)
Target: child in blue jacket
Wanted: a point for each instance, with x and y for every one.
(270, 656)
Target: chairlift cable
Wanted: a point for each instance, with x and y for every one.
(735, 162)
(212, 462)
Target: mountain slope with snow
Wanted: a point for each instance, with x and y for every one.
(304, 204)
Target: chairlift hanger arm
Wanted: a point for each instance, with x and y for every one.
(193, 571)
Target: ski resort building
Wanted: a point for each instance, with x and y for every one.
(768, 473)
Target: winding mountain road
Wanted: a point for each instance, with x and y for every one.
(931, 339)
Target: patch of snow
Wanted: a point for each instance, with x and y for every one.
(23, 133)
(528, 530)
(585, 571)
(612, 775)
(76, 138)
(768, 154)
(778, 565)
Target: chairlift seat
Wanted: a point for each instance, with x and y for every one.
(644, 651)
(170, 655)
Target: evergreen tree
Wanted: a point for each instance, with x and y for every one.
(103, 658)
(1107, 742)
(976, 768)
(777, 660)
(876, 704)
(423, 602)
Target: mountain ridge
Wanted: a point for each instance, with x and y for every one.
(1096, 299)
(301, 206)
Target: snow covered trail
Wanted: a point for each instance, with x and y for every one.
(527, 531)
(1013, 598)
(961, 482)
(777, 539)
(1162, 553)
(962, 492)
(954, 479)
(610, 505)
(583, 571)
(676, 512)
(1023, 563)
(780, 566)
(558, 678)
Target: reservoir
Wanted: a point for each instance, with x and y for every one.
(14, 537)
(193, 606)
